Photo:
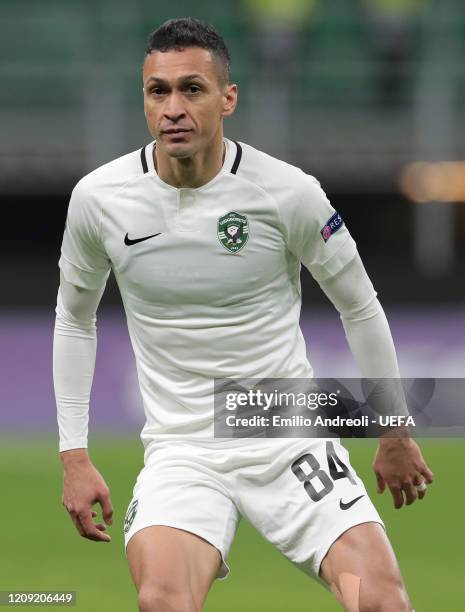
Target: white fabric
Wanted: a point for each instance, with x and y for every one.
(74, 349)
(365, 324)
(196, 311)
(204, 488)
(369, 337)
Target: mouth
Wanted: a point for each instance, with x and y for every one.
(176, 131)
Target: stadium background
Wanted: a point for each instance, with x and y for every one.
(356, 93)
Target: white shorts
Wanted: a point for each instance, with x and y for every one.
(300, 494)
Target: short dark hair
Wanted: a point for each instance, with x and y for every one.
(190, 32)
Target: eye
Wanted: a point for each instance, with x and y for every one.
(193, 89)
(156, 91)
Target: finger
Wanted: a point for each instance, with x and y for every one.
(101, 527)
(410, 492)
(107, 509)
(380, 483)
(417, 481)
(77, 523)
(397, 496)
(84, 529)
(427, 474)
(90, 530)
(96, 534)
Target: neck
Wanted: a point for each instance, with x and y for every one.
(193, 171)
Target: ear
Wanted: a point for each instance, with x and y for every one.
(229, 99)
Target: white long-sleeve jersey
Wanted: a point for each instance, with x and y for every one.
(210, 281)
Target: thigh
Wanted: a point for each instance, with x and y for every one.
(362, 571)
(174, 490)
(171, 563)
(307, 496)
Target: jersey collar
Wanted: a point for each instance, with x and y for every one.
(230, 165)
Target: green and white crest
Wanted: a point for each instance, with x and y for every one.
(233, 231)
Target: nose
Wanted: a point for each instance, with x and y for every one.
(174, 109)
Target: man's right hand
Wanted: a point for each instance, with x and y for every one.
(84, 486)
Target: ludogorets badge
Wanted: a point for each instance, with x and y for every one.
(130, 514)
(233, 231)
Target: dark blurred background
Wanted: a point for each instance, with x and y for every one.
(366, 95)
(352, 92)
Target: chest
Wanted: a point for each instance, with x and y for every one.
(193, 246)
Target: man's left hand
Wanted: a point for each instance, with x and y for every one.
(399, 464)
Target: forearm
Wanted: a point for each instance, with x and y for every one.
(74, 351)
(372, 346)
(370, 341)
(369, 338)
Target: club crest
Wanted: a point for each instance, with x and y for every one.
(233, 231)
(130, 514)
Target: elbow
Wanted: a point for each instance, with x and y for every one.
(364, 312)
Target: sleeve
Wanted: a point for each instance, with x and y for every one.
(369, 337)
(83, 260)
(74, 349)
(316, 233)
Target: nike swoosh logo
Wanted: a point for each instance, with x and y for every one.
(347, 505)
(130, 241)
